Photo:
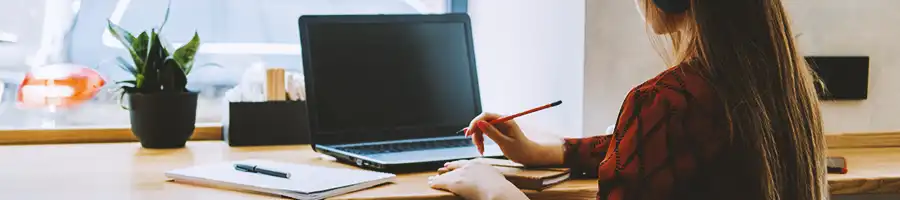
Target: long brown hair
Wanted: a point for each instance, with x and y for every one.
(745, 49)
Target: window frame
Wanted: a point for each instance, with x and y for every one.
(454, 6)
(122, 133)
(459, 6)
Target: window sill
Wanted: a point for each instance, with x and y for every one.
(213, 131)
(203, 131)
(886, 139)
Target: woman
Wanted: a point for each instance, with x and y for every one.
(736, 117)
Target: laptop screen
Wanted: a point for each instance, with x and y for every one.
(379, 77)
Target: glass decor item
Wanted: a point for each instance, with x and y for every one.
(58, 86)
(50, 90)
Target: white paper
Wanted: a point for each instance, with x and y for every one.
(304, 179)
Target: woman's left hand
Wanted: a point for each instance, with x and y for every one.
(474, 180)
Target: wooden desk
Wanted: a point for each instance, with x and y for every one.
(126, 171)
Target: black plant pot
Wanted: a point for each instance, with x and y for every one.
(163, 120)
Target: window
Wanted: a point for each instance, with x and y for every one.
(235, 34)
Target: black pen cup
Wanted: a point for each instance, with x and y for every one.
(266, 123)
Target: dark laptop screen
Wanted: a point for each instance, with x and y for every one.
(375, 77)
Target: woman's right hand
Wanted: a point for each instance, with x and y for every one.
(512, 141)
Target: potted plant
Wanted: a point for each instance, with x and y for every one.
(162, 110)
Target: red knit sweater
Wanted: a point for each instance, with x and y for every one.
(669, 143)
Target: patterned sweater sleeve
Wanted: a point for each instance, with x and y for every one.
(583, 155)
(651, 152)
(658, 145)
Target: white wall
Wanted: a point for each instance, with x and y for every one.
(619, 56)
(871, 28)
(529, 53)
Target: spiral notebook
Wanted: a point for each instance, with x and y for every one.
(305, 181)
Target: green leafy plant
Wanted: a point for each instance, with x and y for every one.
(153, 65)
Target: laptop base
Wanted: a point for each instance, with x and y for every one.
(375, 162)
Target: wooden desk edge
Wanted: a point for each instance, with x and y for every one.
(92, 135)
(869, 179)
(213, 131)
(882, 185)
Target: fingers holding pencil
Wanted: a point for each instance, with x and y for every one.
(495, 134)
(501, 129)
(477, 128)
(505, 134)
(473, 131)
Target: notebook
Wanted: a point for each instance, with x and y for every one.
(528, 178)
(305, 181)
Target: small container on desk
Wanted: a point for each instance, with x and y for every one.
(266, 123)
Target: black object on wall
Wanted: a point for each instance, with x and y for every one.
(844, 77)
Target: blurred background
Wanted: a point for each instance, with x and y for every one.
(235, 34)
(527, 50)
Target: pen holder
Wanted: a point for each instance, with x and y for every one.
(266, 123)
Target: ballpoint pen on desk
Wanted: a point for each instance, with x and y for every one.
(256, 169)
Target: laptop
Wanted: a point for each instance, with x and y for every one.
(390, 92)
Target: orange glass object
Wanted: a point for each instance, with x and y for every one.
(59, 85)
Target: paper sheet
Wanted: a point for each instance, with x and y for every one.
(304, 178)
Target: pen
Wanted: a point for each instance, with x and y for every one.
(507, 118)
(256, 169)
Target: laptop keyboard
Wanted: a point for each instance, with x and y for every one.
(408, 146)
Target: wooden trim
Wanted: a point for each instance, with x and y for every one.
(213, 131)
(863, 140)
(92, 135)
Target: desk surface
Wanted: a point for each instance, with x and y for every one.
(126, 171)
